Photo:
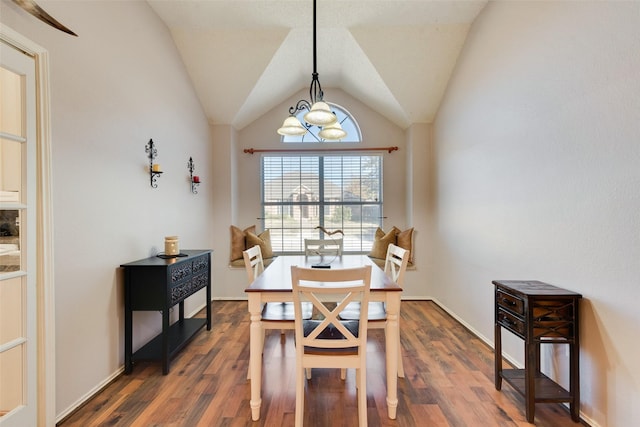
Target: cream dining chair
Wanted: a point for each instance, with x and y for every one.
(275, 315)
(395, 266)
(331, 342)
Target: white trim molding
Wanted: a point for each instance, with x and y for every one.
(44, 228)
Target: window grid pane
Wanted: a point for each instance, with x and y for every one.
(300, 193)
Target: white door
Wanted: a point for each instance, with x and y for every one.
(18, 339)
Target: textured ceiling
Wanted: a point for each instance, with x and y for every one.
(396, 56)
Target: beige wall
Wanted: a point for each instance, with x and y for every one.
(120, 83)
(538, 177)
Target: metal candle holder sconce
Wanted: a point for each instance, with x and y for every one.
(194, 179)
(154, 169)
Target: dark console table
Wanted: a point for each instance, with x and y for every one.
(539, 314)
(157, 284)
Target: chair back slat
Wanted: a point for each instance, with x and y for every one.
(323, 247)
(253, 262)
(396, 262)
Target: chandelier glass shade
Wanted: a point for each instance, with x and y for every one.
(292, 126)
(332, 132)
(318, 112)
(320, 115)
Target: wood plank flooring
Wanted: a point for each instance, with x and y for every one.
(449, 382)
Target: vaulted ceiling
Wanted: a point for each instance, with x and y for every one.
(247, 56)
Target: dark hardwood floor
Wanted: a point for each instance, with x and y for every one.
(449, 382)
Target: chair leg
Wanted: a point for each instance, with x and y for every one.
(308, 372)
(283, 337)
(300, 380)
(343, 373)
(361, 381)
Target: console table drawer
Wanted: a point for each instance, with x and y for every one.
(511, 322)
(188, 277)
(510, 302)
(179, 272)
(199, 264)
(183, 290)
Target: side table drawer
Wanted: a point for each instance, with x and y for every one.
(511, 322)
(510, 302)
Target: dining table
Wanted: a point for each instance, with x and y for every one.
(274, 285)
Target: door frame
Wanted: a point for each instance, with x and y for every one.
(45, 304)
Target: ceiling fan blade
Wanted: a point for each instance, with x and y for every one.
(33, 8)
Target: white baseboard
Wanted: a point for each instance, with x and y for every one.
(89, 395)
(475, 332)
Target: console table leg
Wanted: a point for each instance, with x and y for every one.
(498, 356)
(165, 341)
(574, 373)
(530, 378)
(128, 337)
(209, 304)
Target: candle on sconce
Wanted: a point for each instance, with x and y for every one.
(156, 167)
(196, 179)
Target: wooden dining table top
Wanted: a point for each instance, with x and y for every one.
(277, 276)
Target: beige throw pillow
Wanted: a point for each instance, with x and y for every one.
(381, 242)
(238, 241)
(404, 239)
(263, 240)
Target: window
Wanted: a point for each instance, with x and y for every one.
(337, 192)
(345, 119)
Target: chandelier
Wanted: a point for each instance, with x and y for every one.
(318, 112)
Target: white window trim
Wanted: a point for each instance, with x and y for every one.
(44, 239)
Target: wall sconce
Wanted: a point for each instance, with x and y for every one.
(154, 169)
(194, 179)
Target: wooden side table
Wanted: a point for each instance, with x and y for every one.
(538, 313)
